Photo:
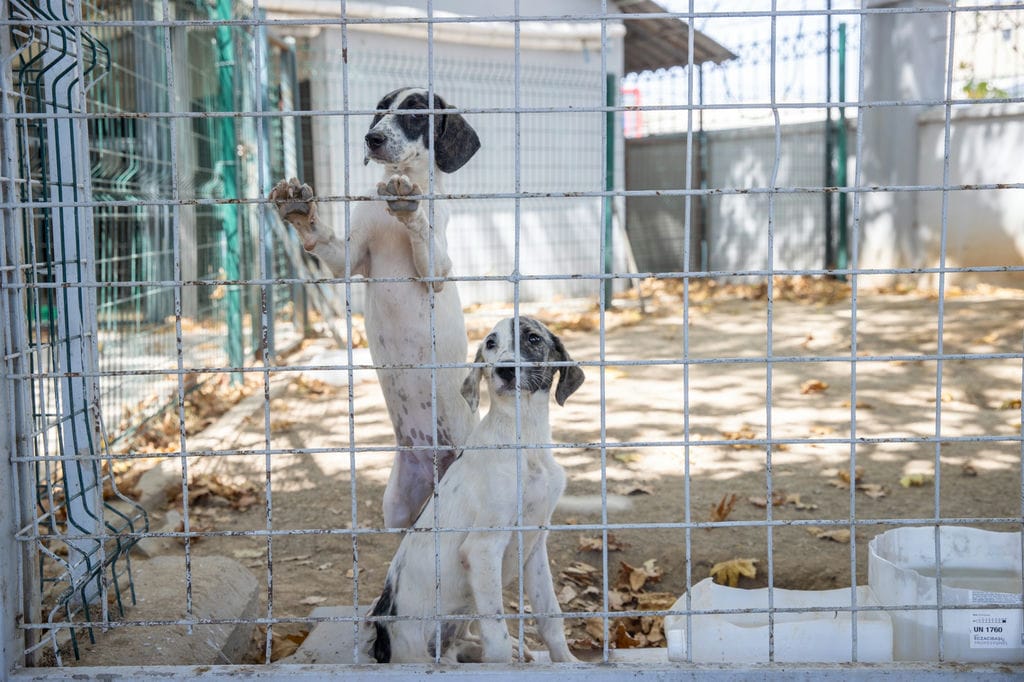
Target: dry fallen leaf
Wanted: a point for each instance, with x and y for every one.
(580, 573)
(567, 594)
(915, 480)
(621, 638)
(778, 499)
(989, 338)
(655, 601)
(860, 405)
(794, 499)
(721, 511)
(813, 386)
(194, 526)
(635, 577)
(212, 489)
(968, 468)
(285, 645)
(595, 628)
(842, 477)
(312, 600)
(595, 544)
(619, 600)
(729, 572)
(654, 630)
(312, 386)
(844, 474)
(744, 433)
(873, 490)
(834, 534)
(1013, 404)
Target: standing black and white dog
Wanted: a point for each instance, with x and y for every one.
(480, 491)
(394, 239)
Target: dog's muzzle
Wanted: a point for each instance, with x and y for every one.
(506, 374)
(530, 378)
(375, 140)
(376, 146)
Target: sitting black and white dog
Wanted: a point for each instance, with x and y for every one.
(399, 240)
(480, 491)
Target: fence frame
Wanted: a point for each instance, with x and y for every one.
(614, 666)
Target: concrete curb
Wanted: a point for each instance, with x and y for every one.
(222, 588)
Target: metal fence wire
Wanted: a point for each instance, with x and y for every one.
(149, 291)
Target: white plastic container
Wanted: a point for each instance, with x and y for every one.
(808, 637)
(978, 567)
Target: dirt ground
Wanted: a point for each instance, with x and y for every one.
(650, 411)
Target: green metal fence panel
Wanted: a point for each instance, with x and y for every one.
(79, 549)
(115, 275)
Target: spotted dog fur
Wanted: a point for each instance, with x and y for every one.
(393, 238)
(480, 491)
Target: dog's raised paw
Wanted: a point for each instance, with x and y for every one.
(294, 201)
(399, 186)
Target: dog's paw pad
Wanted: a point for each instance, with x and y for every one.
(294, 200)
(399, 186)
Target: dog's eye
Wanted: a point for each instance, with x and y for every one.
(490, 344)
(534, 338)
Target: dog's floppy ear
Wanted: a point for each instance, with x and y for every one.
(570, 377)
(471, 384)
(455, 141)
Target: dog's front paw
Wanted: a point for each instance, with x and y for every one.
(400, 186)
(295, 205)
(294, 201)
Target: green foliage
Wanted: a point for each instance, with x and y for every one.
(983, 90)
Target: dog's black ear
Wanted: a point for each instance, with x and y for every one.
(455, 141)
(570, 377)
(471, 384)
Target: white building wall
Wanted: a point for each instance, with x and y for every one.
(984, 227)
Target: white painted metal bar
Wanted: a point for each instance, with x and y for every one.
(179, 340)
(940, 336)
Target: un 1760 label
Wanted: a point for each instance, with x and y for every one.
(996, 628)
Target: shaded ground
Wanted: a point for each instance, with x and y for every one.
(650, 412)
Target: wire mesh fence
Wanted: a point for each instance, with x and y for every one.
(96, 250)
(729, 358)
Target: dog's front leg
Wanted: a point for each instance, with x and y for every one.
(422, 238)
(409, 486)
(481, 555)
(541, 590)
(295, 205)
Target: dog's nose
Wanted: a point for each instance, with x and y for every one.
(506, 373)
(375, 139)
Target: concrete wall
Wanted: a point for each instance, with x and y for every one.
(984, 227)
(733, 234)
